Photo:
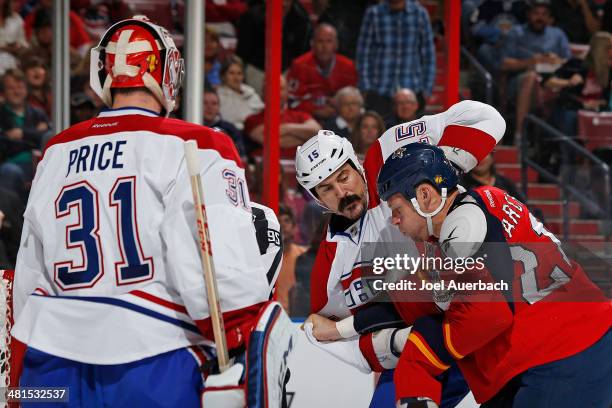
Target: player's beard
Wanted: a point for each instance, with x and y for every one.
(349, 200)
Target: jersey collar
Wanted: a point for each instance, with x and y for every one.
(128, 110)
(339, 225)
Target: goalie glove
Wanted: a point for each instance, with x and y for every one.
(224, 390)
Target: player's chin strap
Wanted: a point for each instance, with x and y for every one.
(429, 216)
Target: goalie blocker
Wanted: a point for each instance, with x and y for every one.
(257, 380)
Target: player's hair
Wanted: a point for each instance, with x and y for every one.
(14, 73)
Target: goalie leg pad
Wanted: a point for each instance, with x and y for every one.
(270, 345)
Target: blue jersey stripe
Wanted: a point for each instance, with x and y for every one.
(130, 306)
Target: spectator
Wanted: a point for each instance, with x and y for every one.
(405, 106)
(213, 119)
(317, 75)
(485, 175)
(212, 63)
(493, 19)
(370, 127)
(286, 277)
(349, 104)
(228, 10)
(346, 17)
(79, 38)
(395, 50)
(41, 43)
(12, 36)
(23, 128)
(578, 19)
(11, 222)
(297, 31)
(528, 45)
(296, 127)
(238, 100)
(300, 293)
(39, 86)
(583, 84)
(82, 108)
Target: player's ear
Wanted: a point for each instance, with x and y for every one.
(426, 197)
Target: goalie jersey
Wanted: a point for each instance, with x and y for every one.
(109, 269)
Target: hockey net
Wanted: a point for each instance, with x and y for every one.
(6, 321)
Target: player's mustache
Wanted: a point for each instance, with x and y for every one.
(347, 200)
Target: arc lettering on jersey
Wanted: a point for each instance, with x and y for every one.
(134, 266)
(83, 235)
(411, 130)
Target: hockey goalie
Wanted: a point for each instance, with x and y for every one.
(109, 294)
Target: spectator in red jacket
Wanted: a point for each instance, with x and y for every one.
(296, 127)
(79, 38)
(316, 76)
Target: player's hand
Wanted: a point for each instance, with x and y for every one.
(1, 219)
(323, 328)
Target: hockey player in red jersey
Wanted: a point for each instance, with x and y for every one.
(109, 295)
(545, 343)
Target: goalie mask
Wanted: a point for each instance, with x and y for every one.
(136, 53)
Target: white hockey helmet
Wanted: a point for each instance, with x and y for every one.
(320, 157)
(137, 53)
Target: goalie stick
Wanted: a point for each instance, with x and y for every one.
(193, 167)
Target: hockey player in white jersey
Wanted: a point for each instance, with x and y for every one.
(109, 295)
(327, 167)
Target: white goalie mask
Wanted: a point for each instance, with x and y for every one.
(137, 53)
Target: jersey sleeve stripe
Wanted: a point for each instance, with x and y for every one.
(420, 344)
(367, 349)
(475, 141)
(159, 301)
(449, 344)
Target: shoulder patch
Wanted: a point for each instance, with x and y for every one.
(463, 231)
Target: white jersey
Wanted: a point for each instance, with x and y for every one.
(109, 271)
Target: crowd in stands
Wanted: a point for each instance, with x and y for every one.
(356, 67)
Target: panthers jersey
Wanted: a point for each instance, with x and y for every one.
(547, 310)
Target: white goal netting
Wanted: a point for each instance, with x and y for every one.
(6, 284)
